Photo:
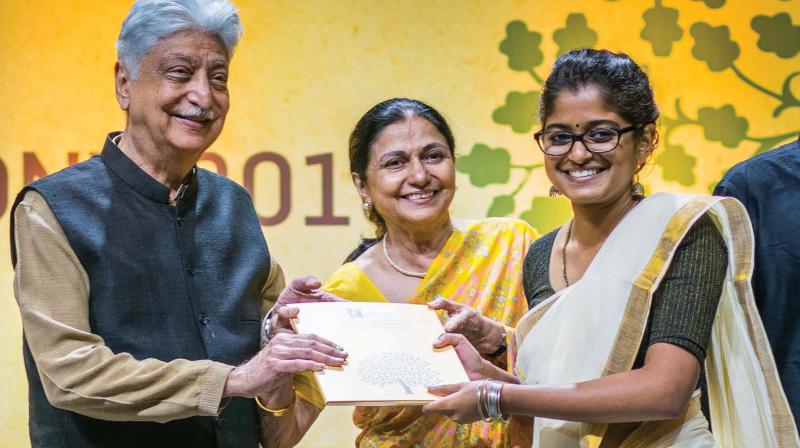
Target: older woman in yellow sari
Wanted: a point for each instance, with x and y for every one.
(402, 163)
(635, 300)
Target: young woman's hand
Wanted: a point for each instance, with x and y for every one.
(470, 358)
(459, 401)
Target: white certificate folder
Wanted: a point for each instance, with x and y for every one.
(391, 359)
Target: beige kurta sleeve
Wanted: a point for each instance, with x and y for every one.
(78, 371)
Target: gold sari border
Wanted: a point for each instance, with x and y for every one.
(631, 330)
(782, 420)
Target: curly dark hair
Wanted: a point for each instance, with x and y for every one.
(619, 79)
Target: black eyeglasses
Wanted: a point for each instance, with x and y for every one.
(597, 140)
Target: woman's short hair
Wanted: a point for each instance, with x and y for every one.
(149, 21)
(380, 116)
(623, 84)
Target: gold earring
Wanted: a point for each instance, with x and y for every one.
(637, 189)
(367, 206)
(554, 193)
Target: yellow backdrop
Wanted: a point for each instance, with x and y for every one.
(723, 71)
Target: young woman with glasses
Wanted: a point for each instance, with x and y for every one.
(638, 303)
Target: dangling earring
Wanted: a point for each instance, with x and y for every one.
(554, 193)
(637, 189)
(367, 208)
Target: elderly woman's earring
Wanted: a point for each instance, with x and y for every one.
(367, 208)
(554, 193)
(637, 190)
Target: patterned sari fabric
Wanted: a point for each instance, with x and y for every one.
(479, 266)
(562, 340)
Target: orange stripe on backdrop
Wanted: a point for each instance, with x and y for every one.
(305, 71)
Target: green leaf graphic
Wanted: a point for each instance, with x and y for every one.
(677, 165)
(661, 29)
(713, 45)
(501, 206)
(522, 47)
(713, 4)
(576, 34)
(520, 112)
(547, 213)
(722, 125)
(485, 165)
(777, 34)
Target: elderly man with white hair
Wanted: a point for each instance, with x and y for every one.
(143, 280)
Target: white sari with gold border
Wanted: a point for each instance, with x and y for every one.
(594, 327)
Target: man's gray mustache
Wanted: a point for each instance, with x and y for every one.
(197, 113)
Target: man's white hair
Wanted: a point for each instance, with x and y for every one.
(152, 20)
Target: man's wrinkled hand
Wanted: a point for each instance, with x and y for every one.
(286, 354)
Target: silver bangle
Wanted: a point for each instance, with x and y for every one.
(481, 394)
(491, 401)
(266, 333)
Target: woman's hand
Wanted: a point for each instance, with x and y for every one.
(460, 402)
(486, 335)
(470, 358)
(299, 290)
(305, 289)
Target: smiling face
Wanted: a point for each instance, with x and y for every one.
(410, 177)
(180, 99)
(594, 179)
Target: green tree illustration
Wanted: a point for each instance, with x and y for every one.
(777, 34)
(547, 213)
(677, 165)
(722, 125)
(712, 46)
(661, 28)
(713, 4)
(520, 111)
(485, 165)
(522, 48)
(576, 34)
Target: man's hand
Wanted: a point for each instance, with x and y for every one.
(483, 333)
(271, 370)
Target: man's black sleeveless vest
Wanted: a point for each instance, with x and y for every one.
(166, 283)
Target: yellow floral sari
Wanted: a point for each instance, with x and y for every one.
(480, 266)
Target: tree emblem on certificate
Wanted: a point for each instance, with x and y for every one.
(387, 368)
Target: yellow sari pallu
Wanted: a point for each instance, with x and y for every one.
(479, 266)
(594, 327)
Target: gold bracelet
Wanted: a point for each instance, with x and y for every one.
(278, 412)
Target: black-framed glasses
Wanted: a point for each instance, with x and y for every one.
(596, 140)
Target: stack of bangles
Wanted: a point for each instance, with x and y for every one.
(489, 400)
(278, 412)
